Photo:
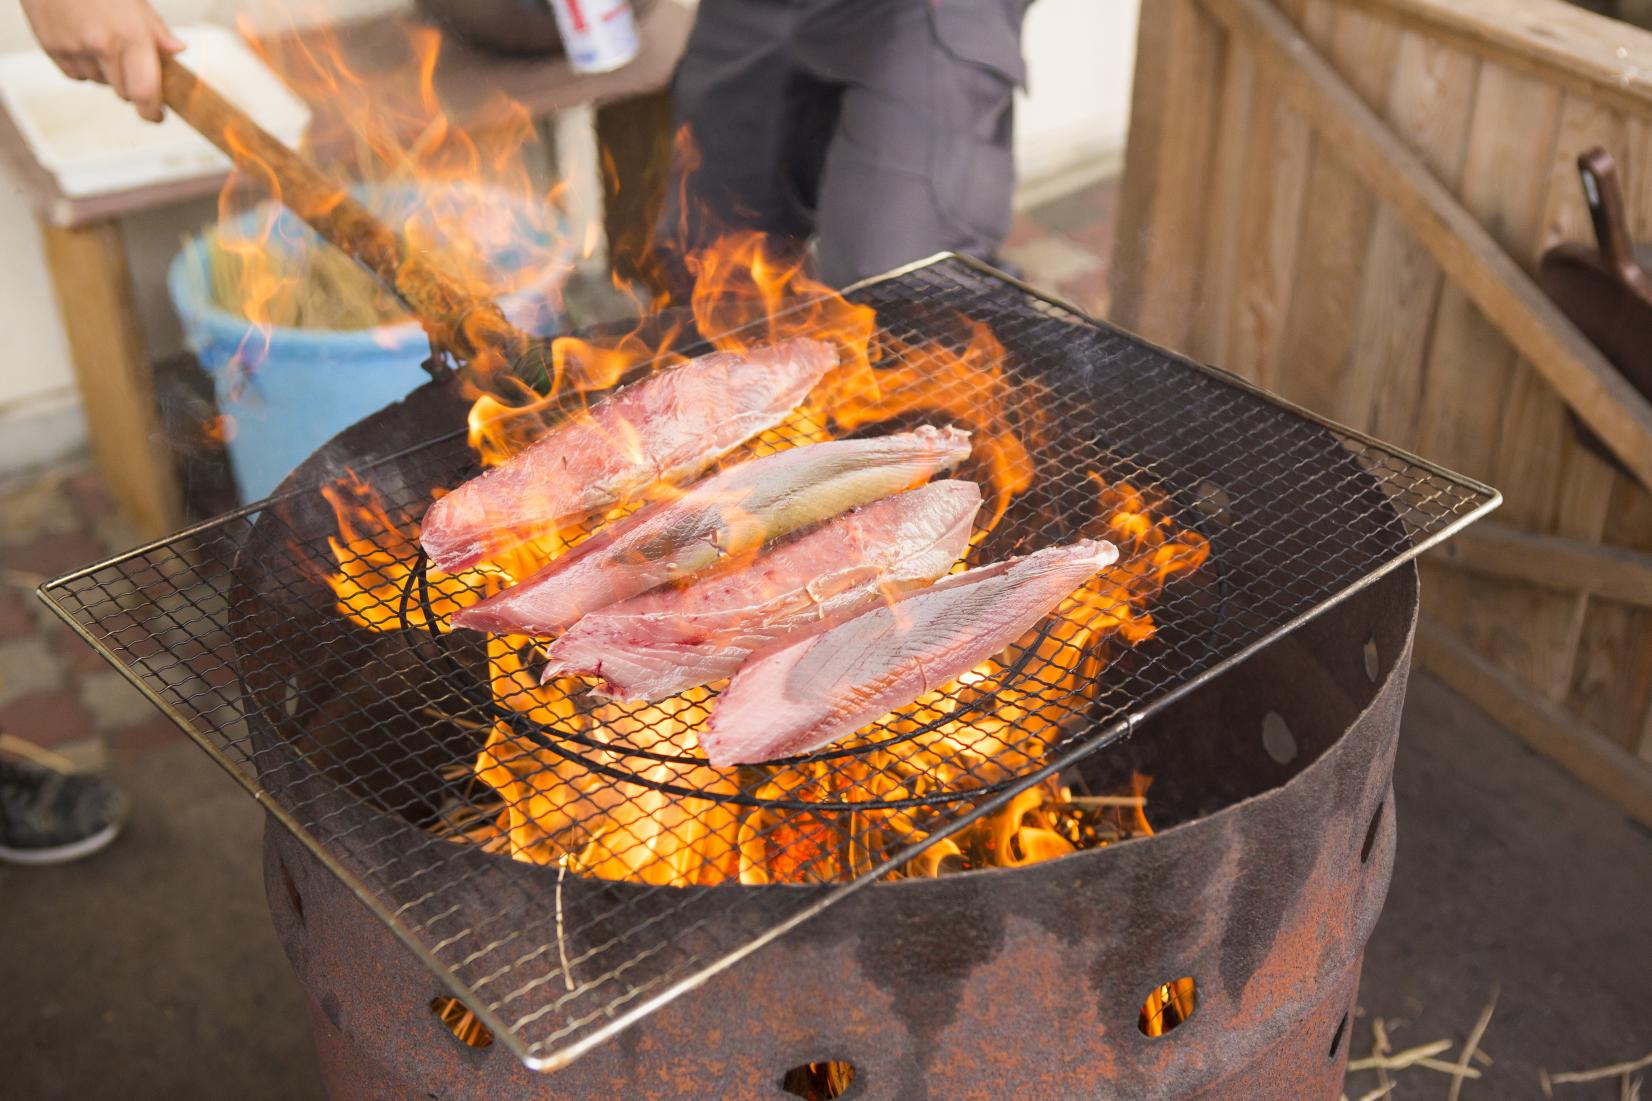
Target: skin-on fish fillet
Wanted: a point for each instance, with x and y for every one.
(671, 426)
(731, 513)
(673, 639)
(824, 684)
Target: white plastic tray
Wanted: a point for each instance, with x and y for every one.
(94, 143)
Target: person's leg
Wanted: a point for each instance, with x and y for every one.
(48, 813)
(921, 159)
(757, 129)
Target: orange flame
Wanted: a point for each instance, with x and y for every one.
(745, 292)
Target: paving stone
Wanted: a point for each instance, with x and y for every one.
(152, 733)
(113, 701)
(51, 554)
(28, 666)
(16, 618)
(90, 496)
(34, 509)
(1047, 261)
(1091, 292)
(76, 653)
(47, 718)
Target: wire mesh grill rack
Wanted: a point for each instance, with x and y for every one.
(628, 885)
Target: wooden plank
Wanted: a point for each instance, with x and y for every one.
(89, 274)
(1541, 724)
(1217, 286)
(1523, 628)
(1270, 223)
(1459, 243)
(1144, 148)
(1558, 42)
(1552, 561)
(1338, 213)
(1158, 297)
(1430, 103)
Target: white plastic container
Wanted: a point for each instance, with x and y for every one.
(598, 35)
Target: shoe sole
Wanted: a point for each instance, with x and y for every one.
(62, 854)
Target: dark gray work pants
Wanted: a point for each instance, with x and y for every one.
(881, 128)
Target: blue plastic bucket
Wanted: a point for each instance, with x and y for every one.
(288, 391)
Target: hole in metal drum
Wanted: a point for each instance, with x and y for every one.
(822, 1081)
(1372, 666)
(1336, 1039)
(457, 1018)
(1168, 1006)
(1277, 738)
(1371, 833)
(290, 887)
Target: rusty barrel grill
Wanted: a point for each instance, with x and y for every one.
(1267, 704)
(1262, 889)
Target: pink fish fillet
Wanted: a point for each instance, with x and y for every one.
(730, 513)
(819, 686)
(673, 639)
(671, 426)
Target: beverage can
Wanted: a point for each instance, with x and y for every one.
(598, 35)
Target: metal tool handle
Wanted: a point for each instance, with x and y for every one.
(1605, 198)
(461, 322)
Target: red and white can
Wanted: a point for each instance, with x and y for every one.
(598, 35)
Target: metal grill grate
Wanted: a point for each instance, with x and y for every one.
(362, 741)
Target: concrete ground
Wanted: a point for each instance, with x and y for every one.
(151, 971)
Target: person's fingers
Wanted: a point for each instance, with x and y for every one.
(164, 38)
(107, 71)
(73, 67)
(140, 68)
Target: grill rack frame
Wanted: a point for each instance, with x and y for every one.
(1477, 500)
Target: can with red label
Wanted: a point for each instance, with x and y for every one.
(598, 35)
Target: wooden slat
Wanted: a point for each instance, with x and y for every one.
(1461, 245)
(1234, 141)
(1552, 561)
(1173, 129)
(1553, 40)
(1338, 212)
(1430, 102)
(1270, 223)
(89, 273)
(1545, 726)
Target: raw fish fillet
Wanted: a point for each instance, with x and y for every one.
(827, 683)
(730, 513)
(671, 426)
(673, 639)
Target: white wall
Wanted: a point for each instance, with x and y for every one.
(1072, 121)
(1070, 128)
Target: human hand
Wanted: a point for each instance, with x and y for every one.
(114, 42)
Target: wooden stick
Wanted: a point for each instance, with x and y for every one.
(457, 320)
(1595, 1075)
(1399, 1060)
(1463, 248)
(1613, 573)
(1473, 1043)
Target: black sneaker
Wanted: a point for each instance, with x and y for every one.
(48, 816)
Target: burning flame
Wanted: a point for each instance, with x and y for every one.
(477, 202)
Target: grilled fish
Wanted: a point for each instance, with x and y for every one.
(669, 427)
(826, 683)
(733, 512)
(673, 639)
